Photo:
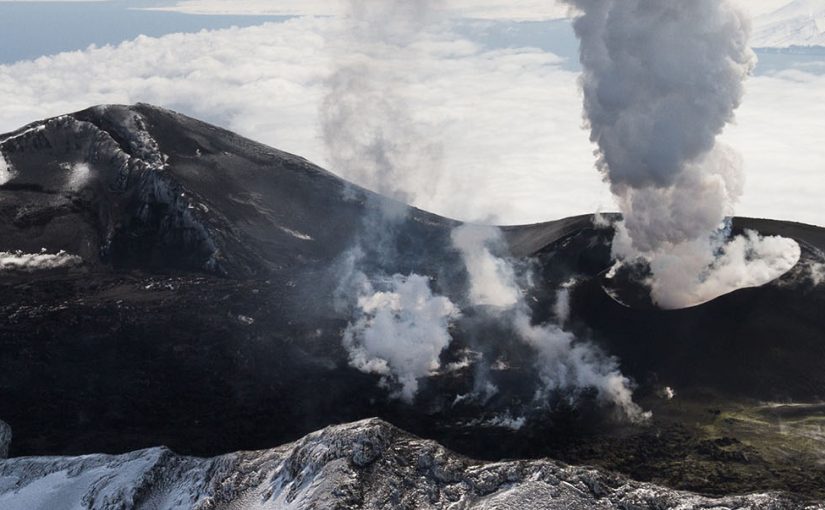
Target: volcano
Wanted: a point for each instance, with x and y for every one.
(166, 282)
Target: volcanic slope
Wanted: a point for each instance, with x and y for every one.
(164, 281)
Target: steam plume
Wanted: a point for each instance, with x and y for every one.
(367, 125)
(565, 364)
(399, 327)
(661, 80)
(401, 331)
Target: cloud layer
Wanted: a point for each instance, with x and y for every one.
(532, 10)
(509, 120)
(524, 10)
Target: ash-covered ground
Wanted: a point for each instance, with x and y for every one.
(166, 282)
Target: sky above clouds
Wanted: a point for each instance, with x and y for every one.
(486, 9)
(505, 106)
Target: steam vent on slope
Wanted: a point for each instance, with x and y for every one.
(746, 260)
(166, 282)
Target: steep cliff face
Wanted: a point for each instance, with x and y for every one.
(365, 465)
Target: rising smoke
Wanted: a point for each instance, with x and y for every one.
(367, 124)
(400, 333)
(565, 364)
(399, 328)
(661, 80)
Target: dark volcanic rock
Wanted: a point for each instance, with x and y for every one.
(5, 439)
(202, 315)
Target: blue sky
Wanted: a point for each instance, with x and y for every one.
(31, 29)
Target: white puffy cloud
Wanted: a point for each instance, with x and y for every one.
(509, 120)
(693, 272)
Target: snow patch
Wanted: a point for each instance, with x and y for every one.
(296, 234)
(6, 170)
(30, 262)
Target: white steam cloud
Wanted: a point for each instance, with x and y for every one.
(367, 126)
(30, 262)
(565, 364)
(399, 327)
(661, 80)
(695, 272)
(492, 279)
(401, 331)
(561, 308)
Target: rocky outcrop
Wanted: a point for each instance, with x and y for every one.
(5, 439)
(366, 465)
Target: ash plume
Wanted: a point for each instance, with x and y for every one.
(565, 364)
(661, 80)
(399, 326)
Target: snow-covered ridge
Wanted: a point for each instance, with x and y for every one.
(799, 23)
(368, 464)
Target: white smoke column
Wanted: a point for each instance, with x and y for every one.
(565, 364)
(661, 80)
(368, 127)
(562, 307)
(401, 332)
(399, 327)
(492, 279)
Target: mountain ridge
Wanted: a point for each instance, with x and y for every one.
(368, 464)
(146, 343)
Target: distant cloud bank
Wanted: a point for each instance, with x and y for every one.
(509, 120)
